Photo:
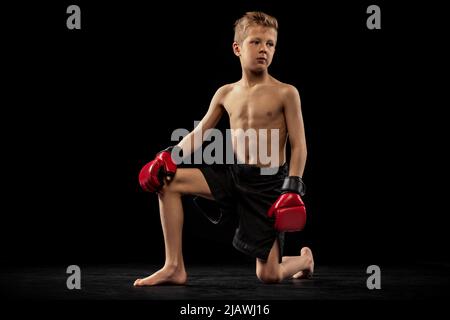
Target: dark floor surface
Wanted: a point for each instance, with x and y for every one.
(227, 291)
(114, 282)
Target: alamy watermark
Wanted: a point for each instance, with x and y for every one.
(74, 20)
(257, 144)
(374, 280)
(374, 20)
(74, 280)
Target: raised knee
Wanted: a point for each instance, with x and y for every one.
(169, 187)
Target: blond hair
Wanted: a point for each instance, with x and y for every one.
(254, 18)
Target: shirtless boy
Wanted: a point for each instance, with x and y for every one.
(257, 101)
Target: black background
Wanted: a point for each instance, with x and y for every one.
(83, 110)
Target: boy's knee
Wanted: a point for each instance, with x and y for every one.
(268, 277)
(171, 187)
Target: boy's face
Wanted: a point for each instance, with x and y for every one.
(257, 49)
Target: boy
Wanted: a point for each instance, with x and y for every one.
(258, 102)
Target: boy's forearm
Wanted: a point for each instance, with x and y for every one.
(297, 161)
(191, 142)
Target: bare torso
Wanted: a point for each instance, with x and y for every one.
(260, 108)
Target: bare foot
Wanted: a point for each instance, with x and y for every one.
(307, 273)
(165, 275)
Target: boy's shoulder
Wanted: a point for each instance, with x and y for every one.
(226, 87)
(223, 91)
(288, 92)
(284, 87)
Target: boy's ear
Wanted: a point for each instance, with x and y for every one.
(236, 49)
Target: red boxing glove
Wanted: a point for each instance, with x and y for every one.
(289, 209)
(151, 177)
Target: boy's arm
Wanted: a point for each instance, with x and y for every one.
(153, 174)
(210, 120)
(296, 131)
(289, 210)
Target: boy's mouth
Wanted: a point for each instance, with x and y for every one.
(261, 60)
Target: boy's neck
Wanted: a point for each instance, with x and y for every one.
(250, 79)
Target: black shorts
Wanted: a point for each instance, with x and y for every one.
(241, 189)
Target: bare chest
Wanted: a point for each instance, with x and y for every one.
(254, 106)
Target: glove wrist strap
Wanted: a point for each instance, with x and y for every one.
(170, 149)
(293, 184)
